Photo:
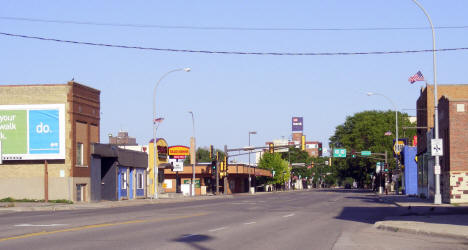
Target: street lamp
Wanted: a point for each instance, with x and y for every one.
(250, 133)
(192, 145)
(155, 151)
(397, 148)
(437, 195)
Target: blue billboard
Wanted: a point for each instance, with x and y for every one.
(44, 136)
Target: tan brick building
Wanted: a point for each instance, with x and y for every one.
(453, 127)
(64, 178)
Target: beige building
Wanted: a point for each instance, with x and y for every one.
(66, 175)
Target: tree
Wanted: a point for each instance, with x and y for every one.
(365, 131)
(274, 162)
(203, 155)
(296, 155)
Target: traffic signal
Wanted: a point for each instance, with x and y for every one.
(271, 148)
(353, 154)
(211, 152)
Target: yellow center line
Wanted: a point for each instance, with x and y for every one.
(74, 229)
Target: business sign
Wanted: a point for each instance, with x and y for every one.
(179, 150)
(398, 147)
(297, 124)
(32, 132)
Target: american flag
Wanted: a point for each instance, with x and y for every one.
(417, 77)
(158, 120)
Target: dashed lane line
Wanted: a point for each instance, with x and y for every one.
(216, 229)
(288, 215)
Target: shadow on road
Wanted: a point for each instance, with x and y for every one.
(193, 240)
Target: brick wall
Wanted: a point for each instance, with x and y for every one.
(425, 107)
(453, 127)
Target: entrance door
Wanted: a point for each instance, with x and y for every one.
(80, 192)
(131, 182)
(123, 183)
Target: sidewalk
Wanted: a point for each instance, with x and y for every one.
(421, 216)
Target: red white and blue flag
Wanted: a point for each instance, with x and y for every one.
(417, 77)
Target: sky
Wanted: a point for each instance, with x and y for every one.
(232, 94)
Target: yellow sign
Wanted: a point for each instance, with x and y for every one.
(179, 150)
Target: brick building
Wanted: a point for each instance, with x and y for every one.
(453, 127)
(122, 138)
(34, 175)
(425, 123)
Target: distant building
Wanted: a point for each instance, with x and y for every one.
(123, 139)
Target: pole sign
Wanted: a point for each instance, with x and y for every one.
(339, 152)
(436, 147)
(297, 124)
(378, 167)
(32, 132)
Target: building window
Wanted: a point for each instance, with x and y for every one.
(139, 181)
(79, 154)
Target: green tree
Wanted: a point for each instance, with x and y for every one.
(203, 155)
(296, 155)
(274, 162)
(365, 131)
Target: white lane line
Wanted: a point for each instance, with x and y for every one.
(44, 225)
(288, 215)
(249, 223)
(216, 229)
(189, 235)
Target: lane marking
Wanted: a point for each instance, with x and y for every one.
(288, 215)
(249, 223)
(189, 235)
(80, 228)
(44, 225)
(216, 229)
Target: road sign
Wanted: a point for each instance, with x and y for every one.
(339, 152)
(378, 167)
(436, 147)
(365, 153)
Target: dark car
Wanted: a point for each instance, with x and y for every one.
(347, 186)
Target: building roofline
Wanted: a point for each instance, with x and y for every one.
(70, 83)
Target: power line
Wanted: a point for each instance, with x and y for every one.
(183, 27)
(231, 52)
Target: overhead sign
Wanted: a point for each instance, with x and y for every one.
(32, 132)
(297, 124)
(436, 147)
(179, 150)
(366, 153)
(339, 152)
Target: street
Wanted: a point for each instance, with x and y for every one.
(318, 219)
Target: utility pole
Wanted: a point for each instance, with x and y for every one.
(226, 163)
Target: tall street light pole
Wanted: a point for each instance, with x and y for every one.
(250, 133)
(397, 148)
(437, 195)
(192, 145)
(155, 151)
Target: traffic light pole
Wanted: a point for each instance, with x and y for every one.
(217, 177)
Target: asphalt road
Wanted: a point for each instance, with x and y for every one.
(318, 219)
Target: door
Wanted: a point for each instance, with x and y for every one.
(131, 182)
(123, 183)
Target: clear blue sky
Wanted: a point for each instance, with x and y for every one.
(232, 94)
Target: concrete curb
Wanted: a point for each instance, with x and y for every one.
(392, 228)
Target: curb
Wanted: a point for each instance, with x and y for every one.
(380, 225)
